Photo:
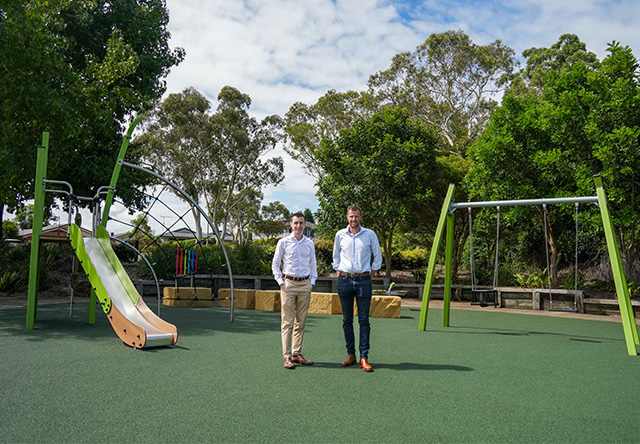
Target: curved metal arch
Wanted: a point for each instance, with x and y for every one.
(204, 214)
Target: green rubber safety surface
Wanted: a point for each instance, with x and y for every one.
(493, 376)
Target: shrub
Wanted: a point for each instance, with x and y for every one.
(414, 258)
(532, 279)
(324, 256)
(9, 229)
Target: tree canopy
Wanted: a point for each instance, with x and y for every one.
(216, 157)
(585, 122)
(448, 82)
(385, 165)
(79, 69)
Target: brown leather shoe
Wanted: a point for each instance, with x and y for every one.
(364, 365)
(351, 359)
(288, 363)
(300, 360)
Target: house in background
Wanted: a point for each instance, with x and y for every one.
(52, 233)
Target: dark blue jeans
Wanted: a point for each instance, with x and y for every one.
(358, 289)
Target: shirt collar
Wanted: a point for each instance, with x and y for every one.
(357, 234)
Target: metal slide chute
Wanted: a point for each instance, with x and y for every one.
(127, 312)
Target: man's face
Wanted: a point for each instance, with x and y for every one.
(297, 225)
(354, 218)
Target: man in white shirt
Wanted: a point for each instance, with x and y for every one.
(297, 255)
(353, 248)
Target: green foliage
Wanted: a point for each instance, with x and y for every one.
(583, 122)
(603, 285)
(570, 282)
(413, 258)
(79, 69)
(247, 258)
(419, 275)
(216, 156)
(308, 215)
(306, 126)
(532, 279)
(8, 280)
(324, 256)
(384, 164)
(9, 229)
(448, 81)
(141, 229)
(124, 252)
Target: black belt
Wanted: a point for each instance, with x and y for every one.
(357, 275)
(293, 278)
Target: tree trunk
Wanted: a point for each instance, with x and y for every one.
(628, 252)
(1, 220)
(388, 250)
(556, 254)
(196, 216)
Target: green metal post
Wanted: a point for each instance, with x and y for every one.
(433, 257)
(38, 217)
(116, 171)
(448, 272)
(622, 290)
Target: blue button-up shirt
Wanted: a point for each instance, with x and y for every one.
(352, 252)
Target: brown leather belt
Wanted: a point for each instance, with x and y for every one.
(357, 275)
(293, 278)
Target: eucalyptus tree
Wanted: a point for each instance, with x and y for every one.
(179, 143)
(306, 125)
(239, 166)
(448, 82)
(216, 157)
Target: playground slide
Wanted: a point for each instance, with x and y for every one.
(130, 317)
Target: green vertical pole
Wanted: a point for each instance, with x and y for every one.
(116, 171)
(38, 217)
(448, 273)
(433, 258)
(624, 301)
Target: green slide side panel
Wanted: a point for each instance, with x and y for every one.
(75, 235)
(105, 243)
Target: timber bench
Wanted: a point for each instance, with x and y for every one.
(538, 299)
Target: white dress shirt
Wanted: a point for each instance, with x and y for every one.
(298, 259)
(352, 252)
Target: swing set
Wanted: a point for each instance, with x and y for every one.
(486, 296)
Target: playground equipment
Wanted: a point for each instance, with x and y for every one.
(128, 314)
(447, 217)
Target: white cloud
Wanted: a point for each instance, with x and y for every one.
(283, 51)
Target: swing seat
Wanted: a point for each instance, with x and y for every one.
(484, 297)
(563, 309)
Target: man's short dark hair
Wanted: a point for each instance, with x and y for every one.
(298, 214)
(354, 208)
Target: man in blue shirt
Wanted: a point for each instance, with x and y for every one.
(353, 248)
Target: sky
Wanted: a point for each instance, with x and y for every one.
(284, 51)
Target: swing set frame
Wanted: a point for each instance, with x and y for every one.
(447, 218)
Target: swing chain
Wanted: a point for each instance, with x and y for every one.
(473, 272)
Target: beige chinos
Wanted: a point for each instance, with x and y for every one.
(295, 298)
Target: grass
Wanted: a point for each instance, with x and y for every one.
(491, 377)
